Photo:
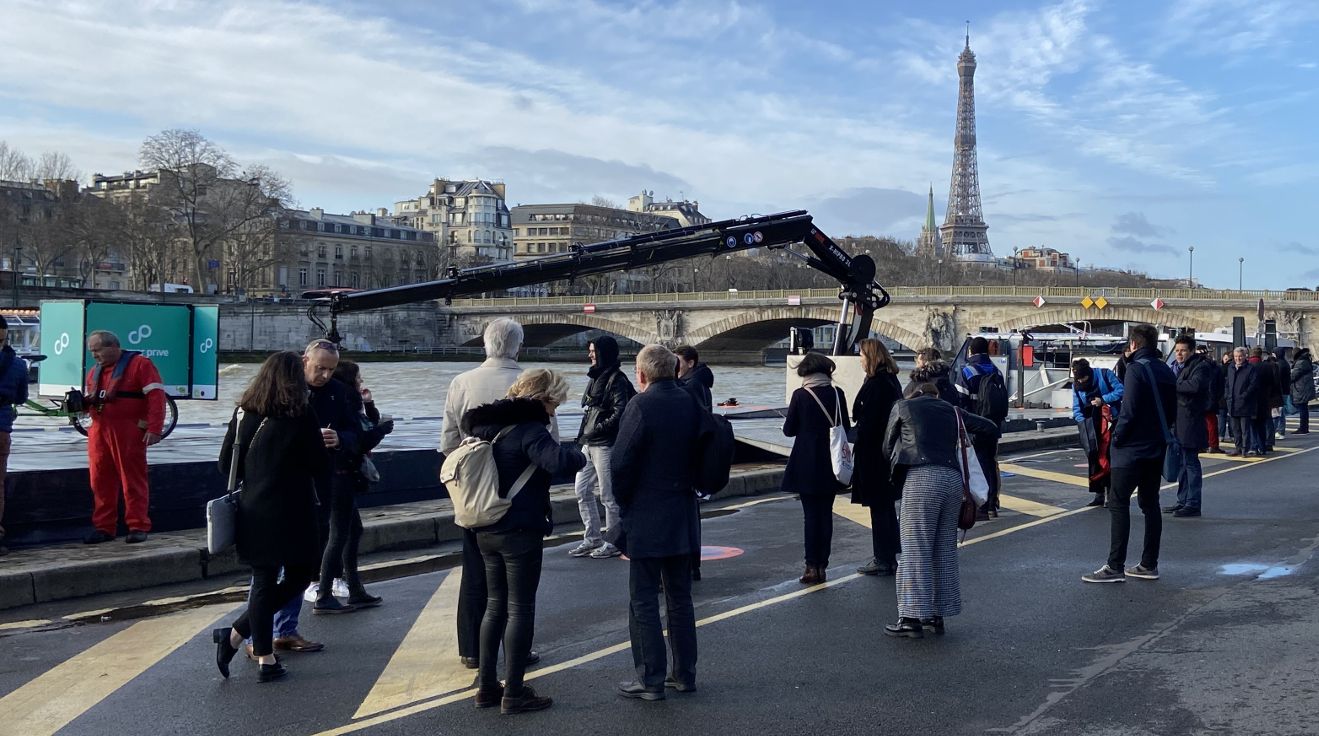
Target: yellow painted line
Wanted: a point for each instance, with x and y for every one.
(1254, 461)
(1074, 480)
(1027, 525)
(30, 623)
(425, 665)
(55, 698)
(1276, 447)
(1026, 506)
(853, 512)
(1205, 456)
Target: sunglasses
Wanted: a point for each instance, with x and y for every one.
(325, 345)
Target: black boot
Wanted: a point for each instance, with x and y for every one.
(906, 627)
(358, 597)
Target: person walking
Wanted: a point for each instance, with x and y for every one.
(982, 390)
(127, 403)
(605, 399)
(484, 384)
(518, 428)
(815, 408)
(1096, 402)
(1139, 442)
(1195, 383)
(1241, 395)
(1215, 401)
(922, 443)
(652, 467)
(13, 392)
(872, 482)
(1302, 388)
(697, 379)
(277, 438)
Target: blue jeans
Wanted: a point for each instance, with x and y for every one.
(1190, 481)
(286, 618)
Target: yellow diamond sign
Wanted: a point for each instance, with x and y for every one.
(1101, 302)
(1087, 302)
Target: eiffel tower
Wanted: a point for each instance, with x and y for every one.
(964, 232)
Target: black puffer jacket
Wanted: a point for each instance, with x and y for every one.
(923, 431)
(1302, 378)
(606, 396)
(528, 442)
(699, 383)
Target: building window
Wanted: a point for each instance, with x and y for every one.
(356, 280)
(302, 277)
(320, 251)
(320, 277)
(338, 252)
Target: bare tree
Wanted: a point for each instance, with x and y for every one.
(143, 233)
(54, 166)
(600, 201)
(14, 164)
(250, 253)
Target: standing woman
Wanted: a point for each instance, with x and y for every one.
(872, 484)
(278, 439)
(922, 445)
(518, 428)
(815, 408)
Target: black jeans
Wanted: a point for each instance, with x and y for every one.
(885, 537)
(987, 454)
(1144, 478)
(1303, 409)
(345, 535)
(644, 626)
(818, 512)
(471, 597)
(257, 621)
(512, 575)
(1243, 434)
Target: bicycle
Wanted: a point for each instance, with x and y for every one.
(82, 420)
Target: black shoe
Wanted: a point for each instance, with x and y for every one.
(1172, 509)
(933, 625)
(673, 684)
(524, 702)
(97, 537)
(470, 663)
(870, 568)
(136, 537)
(332, 605)
(906, 627)
(3, 549)
(362, 599)
(271, 672)
(533, 657)
(224, 651)
(1099, 500)
(1185, 512)
(638, 691)
(696, 574)
(489, 698)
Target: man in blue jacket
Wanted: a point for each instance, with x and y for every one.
(971, 380)
(1093, 389)
(13, 391)
(1139, 442)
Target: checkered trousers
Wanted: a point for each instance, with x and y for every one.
(928, 582)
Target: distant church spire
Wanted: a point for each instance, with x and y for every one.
(929, 243)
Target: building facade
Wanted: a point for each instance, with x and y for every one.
(684, 212)
(314, 249)
(1044, 259)
(42, 235)
(546, 229)
(470, 220)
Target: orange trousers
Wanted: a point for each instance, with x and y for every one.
(118, 461)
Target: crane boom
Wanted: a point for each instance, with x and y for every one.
(855, 274)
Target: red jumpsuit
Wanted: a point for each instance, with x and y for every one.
(134, 404)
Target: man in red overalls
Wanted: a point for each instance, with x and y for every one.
(127, 404)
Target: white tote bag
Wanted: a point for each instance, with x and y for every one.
(840, 450)
(975, 475)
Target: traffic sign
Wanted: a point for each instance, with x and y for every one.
(1157, 304)
(1101, 302)
(1038, 301)
(794, 300)
(1087, 302)
(588, 308)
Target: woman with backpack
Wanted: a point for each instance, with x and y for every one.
(816, 408)
(527, 457)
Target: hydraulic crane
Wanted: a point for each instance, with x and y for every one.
(859, 293)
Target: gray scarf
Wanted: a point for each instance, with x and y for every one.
(816, 380)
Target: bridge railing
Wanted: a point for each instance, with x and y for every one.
(904, 292)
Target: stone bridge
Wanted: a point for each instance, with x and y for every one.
(747, 321)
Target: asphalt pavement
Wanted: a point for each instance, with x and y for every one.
(1223, 643)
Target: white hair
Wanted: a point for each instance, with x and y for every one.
(503, 338)
(657, 363)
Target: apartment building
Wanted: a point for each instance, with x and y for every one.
(469, 218)
(315, 249)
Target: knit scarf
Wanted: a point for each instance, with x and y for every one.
(816, 380)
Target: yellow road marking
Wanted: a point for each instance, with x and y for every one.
(1074, 480)
(853, 512)
(425, 664)
(1026, 506)
(1276, 447)
(1255, 461)
(30, 623)
(52, 700)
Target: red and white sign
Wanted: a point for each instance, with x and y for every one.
(1157, 304)
(588, 308)
(794, 301)
(1038, 301)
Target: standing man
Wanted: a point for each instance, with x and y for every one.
(1284, 387)
(696, 379)
(1224, 420)
(606, 396)
(983, 390)
(1138, 446)
(1195, 383)
(1241, 398)
(13, 391)
(1302, 388)
(127, 403)
(483, 384)
(652, 467)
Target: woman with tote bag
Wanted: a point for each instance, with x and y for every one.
(817, 409)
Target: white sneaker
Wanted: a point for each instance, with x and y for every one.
(340, 588)
(583, 549)
(313, 592)
(605, 551)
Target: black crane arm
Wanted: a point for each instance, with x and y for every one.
(855, 274)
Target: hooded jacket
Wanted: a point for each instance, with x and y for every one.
(699, 383)
(529, 442)
(606, 396)
(1302, 378)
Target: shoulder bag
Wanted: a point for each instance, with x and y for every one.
(222, 512)
(840, 450)
(1172, 454)
(966, 515)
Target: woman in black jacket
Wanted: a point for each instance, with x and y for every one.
(872, 484)
(278, 440)
(815, 408)
(526, 455)
(923, 446)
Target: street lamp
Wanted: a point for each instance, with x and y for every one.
(1241, 265)
(1078, 271)
(1190, 272)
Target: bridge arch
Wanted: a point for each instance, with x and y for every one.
(1072, 314)
(755, 329)
(545, 328)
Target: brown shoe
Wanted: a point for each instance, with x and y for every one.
(811, 576)
(821, 574)
(297, 644)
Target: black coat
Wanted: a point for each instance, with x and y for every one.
(604, 401)
(1137, 436)
(810, 466)
(1302, 378)
(871, 475)
(653, 466)
(1218, 381)
(1280, 381)
(1241, 390)
(1195, 387)
(699, 383)
(529, 442)
(923, 431)
(332, 406)
(277, 508)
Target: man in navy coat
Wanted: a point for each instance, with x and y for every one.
(652, 464)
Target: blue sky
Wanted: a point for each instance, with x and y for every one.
(1122, 132)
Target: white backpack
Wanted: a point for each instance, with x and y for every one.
(472, 477)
